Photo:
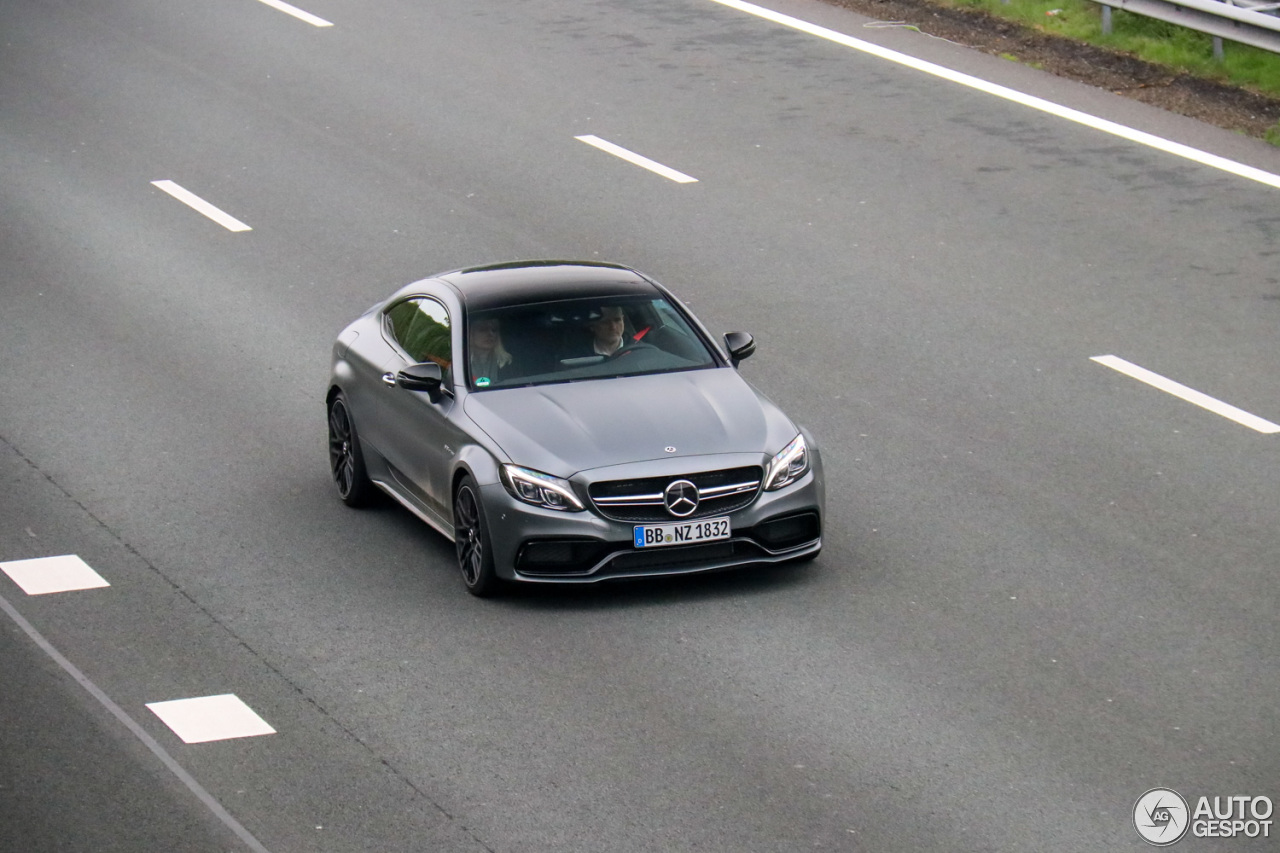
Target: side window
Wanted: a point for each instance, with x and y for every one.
(421, 328)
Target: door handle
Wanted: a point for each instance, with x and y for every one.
(389, 379)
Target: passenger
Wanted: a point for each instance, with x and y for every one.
(488, 357)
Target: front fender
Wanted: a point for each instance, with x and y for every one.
(478, 463)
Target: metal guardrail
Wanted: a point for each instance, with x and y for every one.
(1245, 21)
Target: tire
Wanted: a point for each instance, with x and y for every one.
(471, 538)
(346, 462)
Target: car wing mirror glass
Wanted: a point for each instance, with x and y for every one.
(427, 376)
(740, 345)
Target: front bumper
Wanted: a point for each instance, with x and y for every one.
(537, 545)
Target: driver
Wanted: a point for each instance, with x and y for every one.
(606, 331)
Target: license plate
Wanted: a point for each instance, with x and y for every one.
(681, 533)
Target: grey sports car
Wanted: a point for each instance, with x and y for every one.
(568, 422)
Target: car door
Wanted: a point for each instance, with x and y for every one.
(367, 350)
(418, 435)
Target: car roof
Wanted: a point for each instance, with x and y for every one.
(544, 281)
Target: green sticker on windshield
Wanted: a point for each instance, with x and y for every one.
(482, 381)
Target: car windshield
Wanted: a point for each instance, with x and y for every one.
(572, 340)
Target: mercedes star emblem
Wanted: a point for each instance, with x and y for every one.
(681, 498)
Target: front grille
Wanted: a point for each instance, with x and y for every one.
(719, 492)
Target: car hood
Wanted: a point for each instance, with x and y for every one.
(570, 427)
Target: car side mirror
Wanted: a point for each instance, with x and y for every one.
(427, 376)
(740, 345)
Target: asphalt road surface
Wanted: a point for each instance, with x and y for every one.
(1046, 588)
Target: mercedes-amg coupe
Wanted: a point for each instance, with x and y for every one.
(568, 422)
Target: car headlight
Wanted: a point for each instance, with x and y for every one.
(788, 465)
(539, 489)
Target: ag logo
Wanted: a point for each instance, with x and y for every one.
(1161, 816)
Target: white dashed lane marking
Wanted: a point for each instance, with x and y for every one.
(1181, 391)
(44, 575)
(311, 19)
(197, 790)
(209, 718)
(198, 204)
(637, 159)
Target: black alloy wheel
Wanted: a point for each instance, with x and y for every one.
(345, 459)
(471, 538)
